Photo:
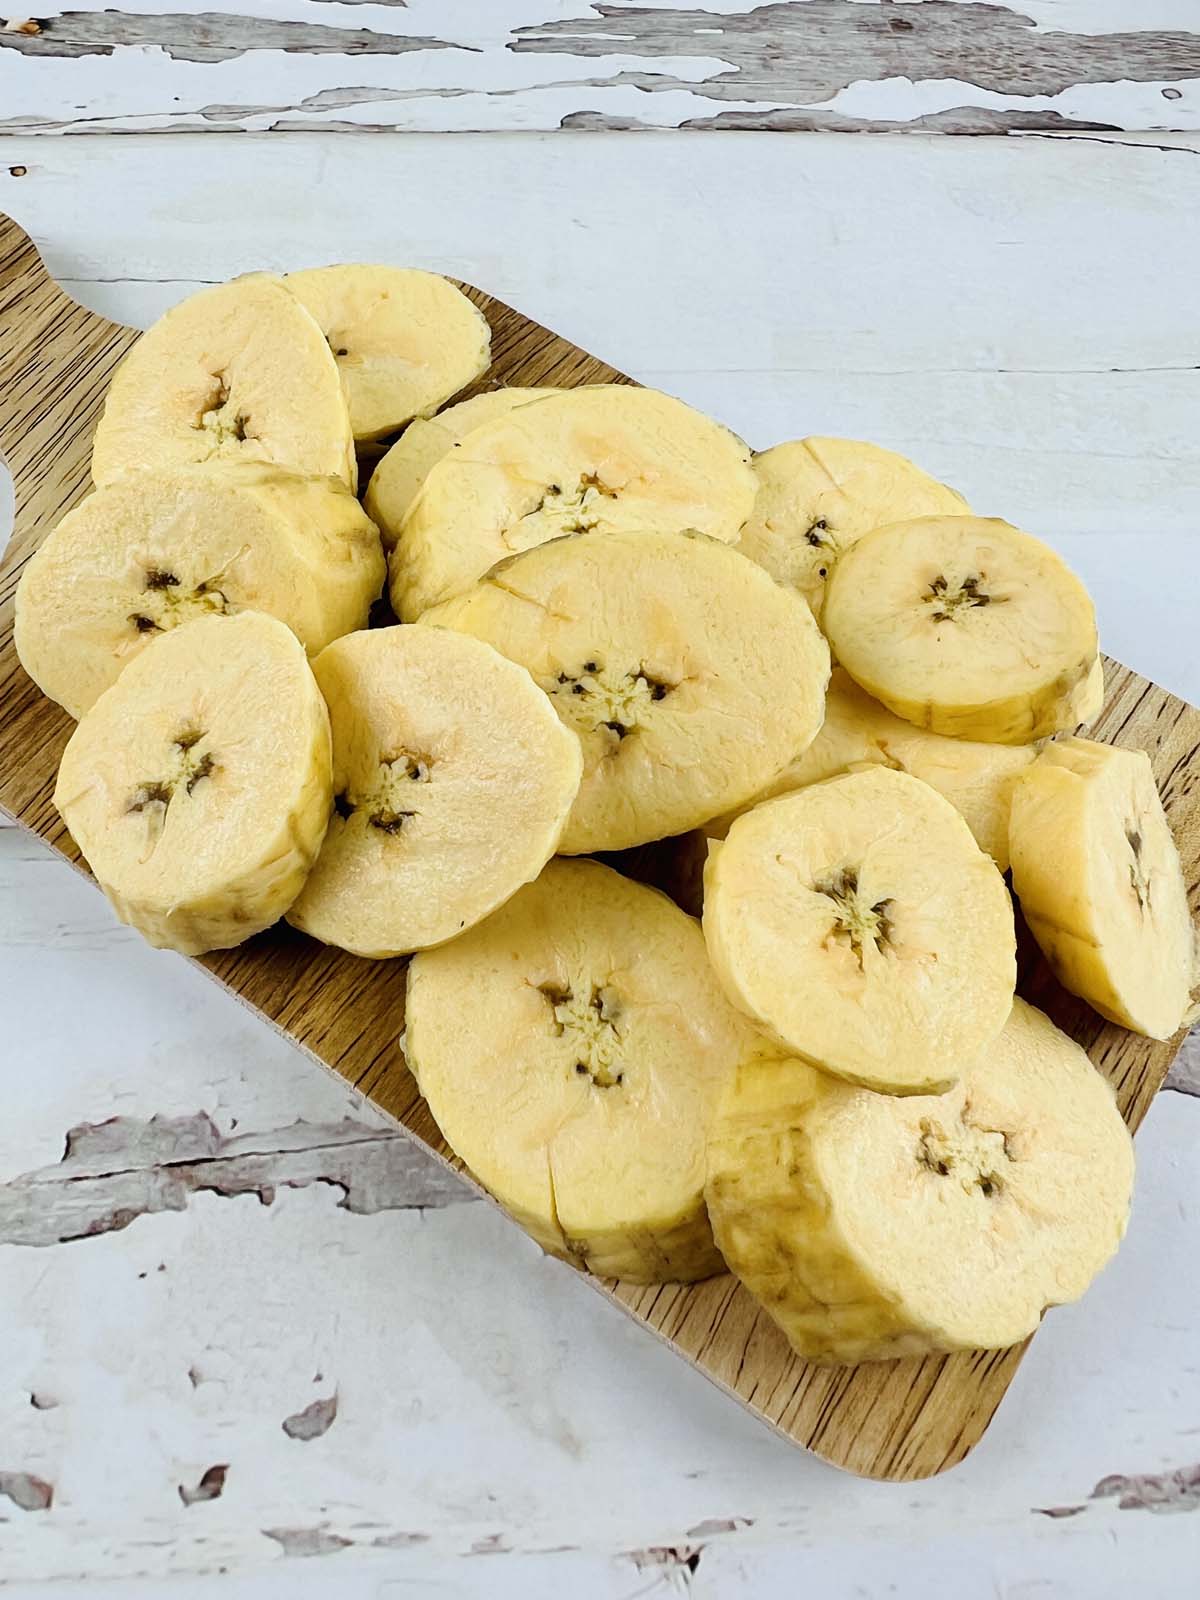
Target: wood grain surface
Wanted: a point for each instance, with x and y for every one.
(900, 1420)
(950, 66)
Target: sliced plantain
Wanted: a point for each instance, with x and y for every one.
(239, 372)
(453, 779)
(198, 787)
(1100, 883)
(154, 549)
(871, 1227)
(859, 923)
(976, 778)
(404, 341)
(402, 471)
(607, 458)
(689, 675)
(1087, 702)
(963, 625)
(579, 1080)
(817, 496)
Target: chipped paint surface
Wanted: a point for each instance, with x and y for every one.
(116, 1171)
(315, 1419)
(1159, 1492)
(954, 66)
(498, 1430)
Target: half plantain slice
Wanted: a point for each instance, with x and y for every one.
(872, 1227)
(816, 497)
(1100, 884)
(239, 372)
(862, 926)
(689, 675)
(198, 786)
(579, 1082)
(607, 458)
(402, 471)
(964, 625)
(404, 341)
(452, 781)
(976, 778)
(154, 549)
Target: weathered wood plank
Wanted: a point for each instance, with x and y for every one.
(954, 66)
(900, 1420)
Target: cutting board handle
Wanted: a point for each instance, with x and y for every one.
(56, 357)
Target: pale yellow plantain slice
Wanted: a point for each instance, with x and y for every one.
(858, 922)
(1098, 876)
(870, 1227)
(571, 1049)
(198, 787)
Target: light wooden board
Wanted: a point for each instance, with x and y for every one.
(948, 66)
(901, 1420)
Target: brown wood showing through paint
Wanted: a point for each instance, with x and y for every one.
(897, 1420)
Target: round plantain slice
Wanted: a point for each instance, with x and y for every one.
(154, 549)
(453, 779)
(239, 372)
(976, 778)
(402, 471)
(608, 458)
(404, 341)
(198, 787)
(963, 625)
(689, 675)
(870, 1227)
(860, 924)
(817, 496)
(579, 1082)
(1100, 883)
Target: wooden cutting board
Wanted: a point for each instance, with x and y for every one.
(899, 1420)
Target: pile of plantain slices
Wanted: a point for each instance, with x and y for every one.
(617, 626)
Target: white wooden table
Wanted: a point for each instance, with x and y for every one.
(185, 1292)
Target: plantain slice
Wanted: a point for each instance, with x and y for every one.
(453, 779)
(579, 1082)
(404, 340)
(689, 675)
(238, 372)
(976, 778)
(154, 549)
(817, 496)
(964, 625)
(871, 1227)
(608, 458)
(859, 923)
(398, 477)
(198, 787)
(1100, 883)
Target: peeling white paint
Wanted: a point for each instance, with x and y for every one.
(484, 75)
